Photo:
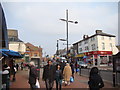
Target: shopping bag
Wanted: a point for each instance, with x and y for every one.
(37, 84)
(77, 70)
(71, 79)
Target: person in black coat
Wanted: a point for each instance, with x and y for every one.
(62, 65)
(14, 72)
(33, 75)
(95, 81)
(72, 68)
(22, 66)
(58, 77)
(49, 75)
(17, 66)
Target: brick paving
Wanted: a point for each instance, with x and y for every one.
(22, 81)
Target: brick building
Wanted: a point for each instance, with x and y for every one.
(32, 51)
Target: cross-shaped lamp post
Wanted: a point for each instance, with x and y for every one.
(67, 27)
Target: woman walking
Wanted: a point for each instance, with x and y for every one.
(58, 77)
(67, 73)
(33, 75)
(95, 81)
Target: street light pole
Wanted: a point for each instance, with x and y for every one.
(57, 47)
(67, 27)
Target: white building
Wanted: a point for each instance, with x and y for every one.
(17, 46)
(14, 42)
(97, 48)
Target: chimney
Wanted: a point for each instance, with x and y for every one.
(98, 31)
(85, 36)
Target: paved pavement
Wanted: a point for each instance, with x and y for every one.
(103, 67)
(22, 81)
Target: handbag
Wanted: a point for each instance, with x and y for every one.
(71, 79)
(37, 84)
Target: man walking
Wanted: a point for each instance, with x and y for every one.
(49, 75)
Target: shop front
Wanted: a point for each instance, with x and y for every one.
(99, 58)
(80, 56)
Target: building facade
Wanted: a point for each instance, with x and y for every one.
(96, 49)
(33, 52)
(15, 43)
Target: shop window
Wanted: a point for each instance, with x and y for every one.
(35, 54)
(103, 60)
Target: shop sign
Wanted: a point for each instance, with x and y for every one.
(105, 52)
(80, 55)
(98, 53)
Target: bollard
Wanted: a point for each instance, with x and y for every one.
(80, 70)
(114, 79)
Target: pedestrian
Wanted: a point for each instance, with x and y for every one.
(58, 77)
(95, 81)
(22, 66)
(76, 66)
(14, 70)
(6, 77)
(33, 75)
(17, 66)
(62, 65)
(72, 68)
(67, 73)
(49, 75)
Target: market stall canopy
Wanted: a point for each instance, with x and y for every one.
(11, 53)
(3, 54)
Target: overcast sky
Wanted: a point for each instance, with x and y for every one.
(39, 24)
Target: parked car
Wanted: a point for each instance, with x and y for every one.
(82, 64)
(63, 59)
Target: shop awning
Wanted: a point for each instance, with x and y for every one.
(10, 53)
(80, 55)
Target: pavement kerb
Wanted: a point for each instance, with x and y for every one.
(106, 81)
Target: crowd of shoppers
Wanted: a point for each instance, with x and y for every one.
(61, 73)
